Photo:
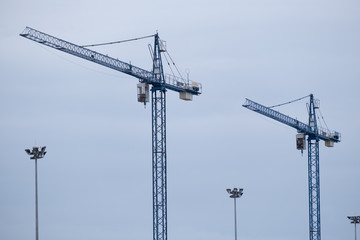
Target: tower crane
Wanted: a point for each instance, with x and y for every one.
(159, 83)
(314, 134)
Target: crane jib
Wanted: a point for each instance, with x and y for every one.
(323, 134)
(85, 53)
(178, 85)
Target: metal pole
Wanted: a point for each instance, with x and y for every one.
(36, 204)
(235, 218)
(355, 230)
(354, 220)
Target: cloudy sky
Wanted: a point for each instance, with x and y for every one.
(95, 181)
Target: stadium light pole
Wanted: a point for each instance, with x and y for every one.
(235, 193)
(355, 220)
(36, 154)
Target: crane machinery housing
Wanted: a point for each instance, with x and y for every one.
(160, 83)
(314, 134)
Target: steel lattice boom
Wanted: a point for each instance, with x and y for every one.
(323, 134)
(314, 135)
(160, 83)
(170, 82)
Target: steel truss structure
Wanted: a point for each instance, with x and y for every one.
(159, 164)
(314, 135)
(160, 83)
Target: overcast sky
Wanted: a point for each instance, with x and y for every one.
(95, 181)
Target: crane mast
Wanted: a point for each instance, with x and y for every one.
(314, 135)
(313, 175)
(158, 99)
(160, 82)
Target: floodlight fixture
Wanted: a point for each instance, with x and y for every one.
(354, 219)
(35, 153)
(235, 193)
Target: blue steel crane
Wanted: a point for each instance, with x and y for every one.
(159, 83)
(314, 134)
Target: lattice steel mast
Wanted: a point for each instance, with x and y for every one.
(158, 98)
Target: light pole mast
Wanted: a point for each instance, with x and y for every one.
(354, 220)
(36, 154)
(235, 193)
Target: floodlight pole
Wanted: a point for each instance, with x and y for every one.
(235, 193)
(355, 220)
(36, 202)
(36, 154)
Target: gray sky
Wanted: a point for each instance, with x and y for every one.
(95, 181)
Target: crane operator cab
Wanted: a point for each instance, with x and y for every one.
(143, 92)
(300, 141)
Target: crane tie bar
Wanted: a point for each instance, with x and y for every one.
(289, 102)
(122, 41)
